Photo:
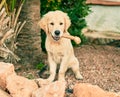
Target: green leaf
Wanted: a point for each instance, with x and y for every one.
(40, 66)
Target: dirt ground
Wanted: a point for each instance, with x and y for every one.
(99, 65)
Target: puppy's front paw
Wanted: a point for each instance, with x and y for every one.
(61, 79)
(79, 77)
(41, 82)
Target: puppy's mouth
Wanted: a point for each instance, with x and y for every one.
(56, 37)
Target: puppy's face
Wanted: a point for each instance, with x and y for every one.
(55, 23)
(56, 26)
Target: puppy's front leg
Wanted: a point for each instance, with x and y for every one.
(63, 68)
(53, 67)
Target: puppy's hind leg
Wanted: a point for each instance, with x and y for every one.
(74, 64)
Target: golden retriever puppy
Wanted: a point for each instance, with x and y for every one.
(59, 50)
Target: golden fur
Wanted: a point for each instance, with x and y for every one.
(60, 50)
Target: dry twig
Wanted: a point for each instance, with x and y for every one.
(9, 30)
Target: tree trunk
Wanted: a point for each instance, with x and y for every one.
(29, 40)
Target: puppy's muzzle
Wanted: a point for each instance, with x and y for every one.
(56, 35)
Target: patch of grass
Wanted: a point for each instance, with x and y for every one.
(30, 76)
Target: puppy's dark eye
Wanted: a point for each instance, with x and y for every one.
(61, 23)
(52, 23)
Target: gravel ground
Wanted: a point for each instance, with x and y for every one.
(99, 65)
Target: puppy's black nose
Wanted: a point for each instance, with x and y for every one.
(57, 32)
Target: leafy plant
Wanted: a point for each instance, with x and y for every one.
(76, 9)
(10, 27)
(40, 66)
(13, 4)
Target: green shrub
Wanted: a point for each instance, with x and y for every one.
(76, 9)
(13, 4)
(40, 66)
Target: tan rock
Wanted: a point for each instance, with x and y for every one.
(20, 87)
(6, 69)
(88, 90)
(4, 94)
(54, 89)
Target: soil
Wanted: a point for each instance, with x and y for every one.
(99, 65)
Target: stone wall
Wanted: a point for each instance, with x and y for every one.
(104, 2)
(104, 18)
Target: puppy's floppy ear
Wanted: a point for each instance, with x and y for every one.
(43, 23)
(67, 22)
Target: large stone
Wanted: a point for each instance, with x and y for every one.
(6, 69)
(4, 94)
(55, 89)
(88, 90)
(20, 87)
